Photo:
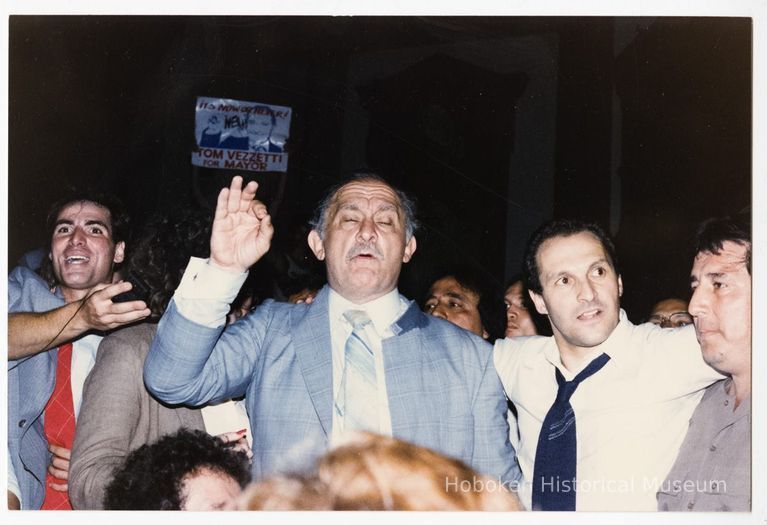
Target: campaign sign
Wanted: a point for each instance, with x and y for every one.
(240, 135)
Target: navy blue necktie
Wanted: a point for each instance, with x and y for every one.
(555, 458)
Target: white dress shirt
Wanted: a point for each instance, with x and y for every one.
(13, 483)
(83, 358)
(631, 416)
(206, 291)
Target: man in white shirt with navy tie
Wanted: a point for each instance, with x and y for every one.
(603, 405)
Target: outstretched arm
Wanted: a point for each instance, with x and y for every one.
(30, 333)
(242, 228)
(190, 361)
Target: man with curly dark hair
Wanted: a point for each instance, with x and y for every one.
(188, 470)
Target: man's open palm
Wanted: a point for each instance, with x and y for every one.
(242, 228)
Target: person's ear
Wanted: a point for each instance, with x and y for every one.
(119, 252)
(540, 304)
(409, 249)
(316, 245)
(620, 286)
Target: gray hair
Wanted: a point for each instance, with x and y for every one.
(407, 204)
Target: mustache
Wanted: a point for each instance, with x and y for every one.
(367, 248)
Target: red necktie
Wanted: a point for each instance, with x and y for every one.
(59, 424)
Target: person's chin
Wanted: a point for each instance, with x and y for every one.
(593, 336)
(75, 279)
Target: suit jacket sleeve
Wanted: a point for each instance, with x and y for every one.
(108, 419)
(192, 364)
(493, 453)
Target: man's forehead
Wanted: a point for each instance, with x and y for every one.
(366, 191)
(561, 249)
(85, 211)
(259, 117)
(731, 258)
(670, 304)
(515, 289)
(450, 286)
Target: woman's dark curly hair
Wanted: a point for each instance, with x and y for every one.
(163, 250)
(152, 476)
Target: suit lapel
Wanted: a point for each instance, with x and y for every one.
(406, 363)
(311, 341)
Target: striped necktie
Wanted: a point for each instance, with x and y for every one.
(357, 401)
(555, 458)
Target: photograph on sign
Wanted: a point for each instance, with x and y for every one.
(241, 135)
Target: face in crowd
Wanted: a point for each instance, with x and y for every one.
(670, 313)
(83, 252)
(453, 302)
(259, 127)
(214, 124)
(580, 290)
(207, 489)
(518, 319)
(364, 243)
(721, 307)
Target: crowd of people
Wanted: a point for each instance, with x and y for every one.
(156, 375)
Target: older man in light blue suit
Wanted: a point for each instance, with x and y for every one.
(426, 381)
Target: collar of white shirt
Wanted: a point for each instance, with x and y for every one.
(382, 311)
(551, 352)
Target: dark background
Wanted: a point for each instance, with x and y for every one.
(494, 124)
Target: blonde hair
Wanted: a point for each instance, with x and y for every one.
(382, 473)
(372, 472)
(286, 493)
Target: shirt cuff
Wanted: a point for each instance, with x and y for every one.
(206, 291)
(13, 484)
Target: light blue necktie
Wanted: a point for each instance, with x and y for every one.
(357, 402)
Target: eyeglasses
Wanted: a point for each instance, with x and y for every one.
(674, 320)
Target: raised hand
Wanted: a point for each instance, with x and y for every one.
(237, 442)
(242, 228)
